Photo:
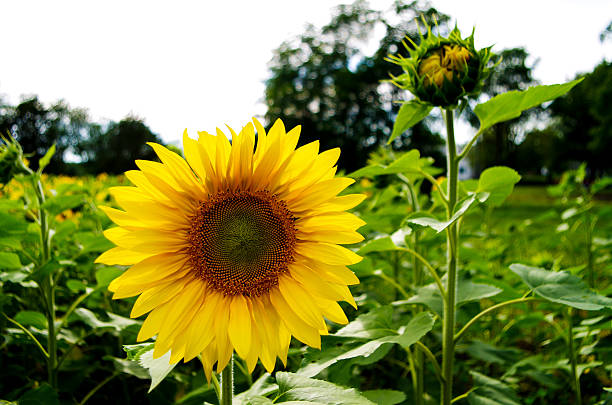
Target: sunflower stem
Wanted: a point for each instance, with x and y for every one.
(572, 355)
(448, 327)
(227, 383)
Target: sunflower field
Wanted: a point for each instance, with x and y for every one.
(246, 270)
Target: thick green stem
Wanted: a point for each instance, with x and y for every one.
(48, 285)
(448, 326)
(417, 279)
(227, 383)
(572, 355)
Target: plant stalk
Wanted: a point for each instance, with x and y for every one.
(48, 285)
(227, 383)
(448, 326)
(572, 355)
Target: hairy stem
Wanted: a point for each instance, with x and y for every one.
(227, 383)
(448, 326)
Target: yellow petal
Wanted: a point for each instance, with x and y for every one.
(239, 328)
(327, 253)
(201, 333)
(300, 301)
(157, 296)
(300, 329)
(122, 257)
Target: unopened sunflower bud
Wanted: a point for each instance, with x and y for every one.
(443, 71)
(11, 160)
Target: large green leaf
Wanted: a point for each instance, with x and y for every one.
(385, 397)
(413, 331)
(511, 104)
(369, 325)
(157, 369)
(58, 204)
(32, 318)
(294, 387)
(490, 391)
(467, 291)
(409, 162)
(381, 244)
(561, 287)
(461, 209)
(9, 261)
(499, 182)
(43, 395)
(410, 114)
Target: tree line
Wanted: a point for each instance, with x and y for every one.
(82, 146)
(323, 81)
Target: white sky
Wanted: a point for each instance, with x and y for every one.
(201, 64)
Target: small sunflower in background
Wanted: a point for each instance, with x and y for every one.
(443, 71)
(235, 247)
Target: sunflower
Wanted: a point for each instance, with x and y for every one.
(235, 247)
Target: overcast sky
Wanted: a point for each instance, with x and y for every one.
(201, 64)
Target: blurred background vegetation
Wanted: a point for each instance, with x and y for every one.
(324, 81)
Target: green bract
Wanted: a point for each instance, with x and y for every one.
(443, 71)
(11, 159)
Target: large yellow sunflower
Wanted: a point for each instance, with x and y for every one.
(236, 247)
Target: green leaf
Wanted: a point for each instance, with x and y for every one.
(410, 114)
(158, 368)
(116, 322)
(95, 243)
(561, 287)
(511, 104)
(256, 392)
(385, 397)
(61, 203)
(11, 224)
(32, 318)
(490, 391)
(467, 291)
(43, 395)
(294, 387)
(460, 209)
(413, 331)
(105, 275)
(369, 325)
(381, 244)
(129, 367)
(44, 161)
(499, 182)
(409, 162)
(9, 261)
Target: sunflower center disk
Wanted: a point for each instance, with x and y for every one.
(240, 242)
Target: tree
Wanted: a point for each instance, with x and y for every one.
(114, 149)
(323, 82)
(497, 146)
(37, 128)
(583, 118)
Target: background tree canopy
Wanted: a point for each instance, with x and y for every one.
(324, 82)
(82, 146)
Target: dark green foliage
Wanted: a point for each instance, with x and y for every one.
(585, 122)
(114, 150)
(38, 127)
(322, 82)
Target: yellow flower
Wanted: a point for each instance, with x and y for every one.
(236, 247)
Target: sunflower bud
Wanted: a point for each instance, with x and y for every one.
(443, 71)
(11, 160)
